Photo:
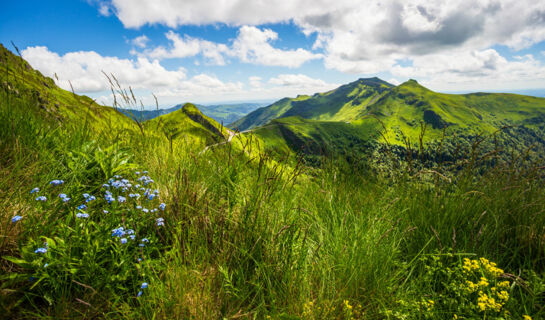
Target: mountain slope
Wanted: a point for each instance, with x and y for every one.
(341, 104)
(188, 123)
(226, 113)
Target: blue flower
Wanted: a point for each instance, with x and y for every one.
(40, 250)
(82, 215)
(137, 173)
(105, 185)
(56, 182)
(64, 197)
(118, 232)
(144, 285)
(145, 210)
(132, 236)
(151, 196)
(121, 199)
(41, 198)
(145, 240)
(16, 218)
(86, 195)
(139, 293)
(134, 195)
(45, 265)
(90, 198)
(139, 207)
(162, 206)
(34, 190)
(160, 222)
(82, 207)
(105, 211)
(123, 240)
(130, 231)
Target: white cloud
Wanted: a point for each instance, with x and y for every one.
(187, 46)
(104, 9)
(364, 37)
(296, 80)
(84, 70)
(252, 45)
(140, 42)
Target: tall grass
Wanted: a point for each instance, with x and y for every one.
(252, 236)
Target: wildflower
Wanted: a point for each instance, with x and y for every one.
(64, 197)
(145, 172)
(145, 210)
(134, 195)
(526, 317)
(139, 207)
(144, 241)
(56, 182)
(45, 265)
(160, 222)
(123, 240)
(90, 198)
(151, 196)
(118, 232)
(132, 236)
(86, 195)
(121, 199)
(41, 198)
(40, 250)
(153, 210)
(16, 218)
(82, 215)
(162, 206)
(144, 285)
(108, 197)
(34, 190)
(137, 173)
(139, 293)
(105, 211)
(106, 186)
(82, 207)
(156, 191)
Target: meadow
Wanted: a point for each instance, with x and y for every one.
(155, 228)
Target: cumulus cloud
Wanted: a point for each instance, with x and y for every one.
(187, 46)
(140, 42)
(362, 37)
(84, 70)
(296, 80)
(252, 45)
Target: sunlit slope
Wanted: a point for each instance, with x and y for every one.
(19, 79)
(342, 104)
(406, 107)
(189, 124)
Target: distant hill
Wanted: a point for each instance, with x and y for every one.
(226, 113)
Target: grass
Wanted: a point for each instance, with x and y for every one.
(248, 234)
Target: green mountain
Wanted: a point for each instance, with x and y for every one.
(222, 113)
(342, 104)
(189, 123)
(401, 112)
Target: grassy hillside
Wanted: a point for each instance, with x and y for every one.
(127, 222)
(342, 104)
(225, 113)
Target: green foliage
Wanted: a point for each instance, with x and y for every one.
(249, 234)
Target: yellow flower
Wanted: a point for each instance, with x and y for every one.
(483, 282)
(526, 317)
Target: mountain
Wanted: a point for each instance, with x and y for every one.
(222, 113)
(341, 104)
(402, 109)
(188, 123)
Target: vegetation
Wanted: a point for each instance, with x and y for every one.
(234, 230)
(222, 113)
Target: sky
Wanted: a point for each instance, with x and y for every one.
(209, 51)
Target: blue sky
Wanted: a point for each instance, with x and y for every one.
(207, 51)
